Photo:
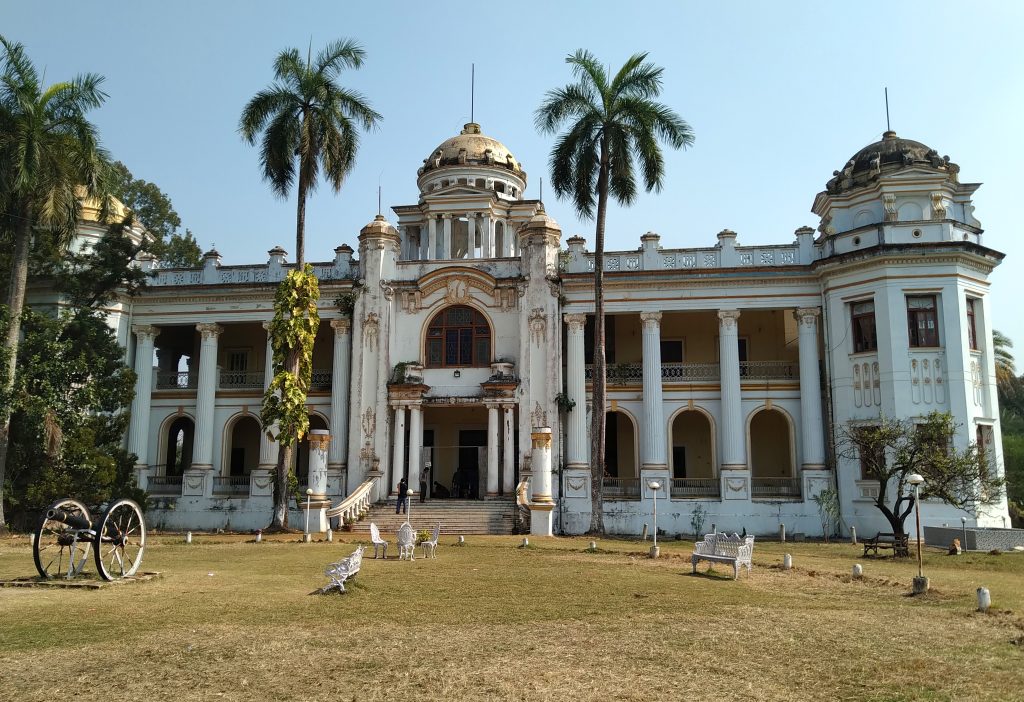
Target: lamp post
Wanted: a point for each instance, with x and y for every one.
(408, 505)
(655, 485)
(920, 582)
(309, 496)
(963, 544)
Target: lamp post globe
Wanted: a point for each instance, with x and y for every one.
(920, 582)
(309, 496)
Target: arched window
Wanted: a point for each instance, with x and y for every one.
(458, 336)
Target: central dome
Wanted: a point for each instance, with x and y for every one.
(471, 147)
(892, 153)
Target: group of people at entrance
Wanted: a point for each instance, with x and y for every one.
(465, 484)
(402, 503)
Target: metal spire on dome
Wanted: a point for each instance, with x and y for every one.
(472, 91)
(887, 127)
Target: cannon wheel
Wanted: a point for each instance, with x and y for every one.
(120, 540)
(55, 549)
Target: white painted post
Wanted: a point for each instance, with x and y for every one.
(188, 537)
(787, 562)
(984, 599)
(853, 535)
(858, 571)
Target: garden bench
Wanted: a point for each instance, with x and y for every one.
(888, 540)
(431, 544)
(378, 542)
(342, 570)
(406, 542)
(722, 548)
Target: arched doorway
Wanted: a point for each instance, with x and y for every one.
(178, 446)
(772, 462)
(621, 477)
(302, 454)
(243, 454)
(692, 460)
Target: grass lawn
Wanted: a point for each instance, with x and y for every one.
(231, 619)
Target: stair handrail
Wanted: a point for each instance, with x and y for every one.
(356, 504)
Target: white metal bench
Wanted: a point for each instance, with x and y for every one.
(342, 570)
(406, 542)
(431, 544)
(722, 548)
(378, 543)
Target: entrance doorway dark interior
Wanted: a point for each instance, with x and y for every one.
(466, 481)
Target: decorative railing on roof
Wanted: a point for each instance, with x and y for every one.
(265, 273)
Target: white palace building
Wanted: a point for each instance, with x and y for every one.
(462, 328)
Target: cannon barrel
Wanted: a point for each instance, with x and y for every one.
(75, 521)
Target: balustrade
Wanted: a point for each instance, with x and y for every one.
(163, 484)
(621, 488)
(242, 380)
(320, 379)
(768, 370)
(623, 373)
(231, 485)
(775, 488)
(176, 381)
(696, 487)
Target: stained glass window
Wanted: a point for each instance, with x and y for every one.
(458, 336)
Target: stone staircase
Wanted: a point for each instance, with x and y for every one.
(456, 516)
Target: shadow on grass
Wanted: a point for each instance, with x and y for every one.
(709, 574)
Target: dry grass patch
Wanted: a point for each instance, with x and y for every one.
(489, 620)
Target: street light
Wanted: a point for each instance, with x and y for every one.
(309, 496)
(963, 545)
(408, 505)
(920, 582)
(655, 485)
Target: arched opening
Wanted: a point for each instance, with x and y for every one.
(693, 456)
(772, 463)
(178, 446)
(302, 453)
(621, 476)
(243, 454)
(458, 337)
(499, 239)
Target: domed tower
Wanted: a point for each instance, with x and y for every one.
(471, 201)
(905, 286)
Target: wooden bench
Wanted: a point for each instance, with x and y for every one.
(735, 550)
(342, 570)
(887, 540)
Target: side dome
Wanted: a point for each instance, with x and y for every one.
(889, 155)
(471, 147)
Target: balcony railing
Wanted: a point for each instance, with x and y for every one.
(621, 488)
(619, 373)
(163, 485)
(768, 370)
(176, 380)
(321, 379)
(231, 485)
(786, 488)
(696, 487)
(242, 380)
(684, 372)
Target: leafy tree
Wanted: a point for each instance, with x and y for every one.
(49, 157)
(151, 206)
(1009, 386)
(306, 122)
(894, 449)
(612, 122)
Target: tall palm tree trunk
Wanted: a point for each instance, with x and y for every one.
(15, 306)
(300, 225)
(597, 432)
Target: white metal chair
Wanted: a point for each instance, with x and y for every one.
(406, 542)
(378, 543)
(431, 545)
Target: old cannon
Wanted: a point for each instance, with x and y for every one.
(66, 533)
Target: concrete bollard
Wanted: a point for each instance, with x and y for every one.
(307, 538)
(787, 562)
(858, 571)
(592, 547)
(921, 584)
(188, 537)
(782, 533)
(853, 535)
(984, 599)
(32, 539)
(526, 542)
(330, 536)
(259, 535)
(643, 537)
(462, 539)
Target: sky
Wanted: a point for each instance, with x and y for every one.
(778, 94)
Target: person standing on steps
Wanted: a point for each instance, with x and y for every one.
(401, 504)
(424, 482)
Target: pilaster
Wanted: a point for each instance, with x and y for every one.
(138, 434)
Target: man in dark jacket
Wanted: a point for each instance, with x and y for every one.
(402, 501)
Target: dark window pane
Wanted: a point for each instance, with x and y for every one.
(434, 352)
(466, 347)
(451, 347)
(483, 352)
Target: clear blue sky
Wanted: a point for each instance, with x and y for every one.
(779, 95)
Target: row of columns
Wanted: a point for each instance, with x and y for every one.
(653, 446)
(437, 241)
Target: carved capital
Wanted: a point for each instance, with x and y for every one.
(807, 316)
(209, 331)
(728, 319)
(266, 325)
(142, 331)
(575, 322)
(651, 320)
(341, 326)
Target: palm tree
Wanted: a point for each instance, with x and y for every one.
(1008, 385)
(49, 157)
(611, 121)
(306, 122)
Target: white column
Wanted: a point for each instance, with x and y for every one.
(318, 440)
(507, 245)
(206, 396)
(541, 503)
(653, 449)
(734, 444)
(268, 447)
(340, 374)
(509, 452)
(416, 444)
(446, 236)
(493, 437)
(575, 366)
(810, 389)
(398, 461)
(487, 236)
(431, 238)
(471, 235)
(138, 434)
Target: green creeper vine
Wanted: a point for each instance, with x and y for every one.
(292, 333)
